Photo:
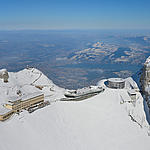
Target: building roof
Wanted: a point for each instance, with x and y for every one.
(132, 92)
(13, 99)
(116, 80)
(24, 97)
(4, 110)
(30, 95)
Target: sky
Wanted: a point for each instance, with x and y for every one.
(74, 14)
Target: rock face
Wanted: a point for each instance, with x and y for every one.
(4, 75)
(145, 78)
(145, 85)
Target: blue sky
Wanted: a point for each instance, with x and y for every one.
(74, 14)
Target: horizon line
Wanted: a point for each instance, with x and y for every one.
(26, 29)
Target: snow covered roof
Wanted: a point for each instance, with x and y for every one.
(24, 97)
(4, 110)
(116, 80)
(14, 99)
(130, 83)
(30, 95)
(132, 92)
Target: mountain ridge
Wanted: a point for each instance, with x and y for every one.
(100, 122)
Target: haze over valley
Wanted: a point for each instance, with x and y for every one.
(75, 58)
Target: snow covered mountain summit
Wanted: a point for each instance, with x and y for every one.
(28, 81)
(109, 120)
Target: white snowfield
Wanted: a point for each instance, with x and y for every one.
(26, 82)
(107, 121)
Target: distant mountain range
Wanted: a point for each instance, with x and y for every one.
(74, 59)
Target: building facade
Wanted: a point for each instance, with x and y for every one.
(5, 113)
(116, 83)
(19, 103)
(132, 94)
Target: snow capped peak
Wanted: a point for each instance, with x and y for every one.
(112, 118)
(28, 81)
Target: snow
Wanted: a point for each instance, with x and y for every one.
(30, 95)
(83, 91)
(24, 97)
(147, 62)
(100, 122)
(25, 81)
(131, 84)
(13, 99)
(147, 89)
(3, 110)
(131, 92)
(3, 70)
(115, 80)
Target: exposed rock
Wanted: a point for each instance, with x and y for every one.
(145, 86)
(4, 75)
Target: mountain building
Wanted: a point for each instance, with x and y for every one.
(25, 102)
(116, 83)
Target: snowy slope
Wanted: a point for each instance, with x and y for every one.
(27, 81)
(100, 122)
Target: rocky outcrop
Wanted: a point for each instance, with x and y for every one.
(145, 86)
(4, 75)
(145, 79)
